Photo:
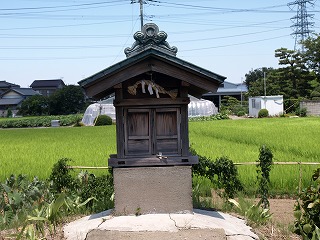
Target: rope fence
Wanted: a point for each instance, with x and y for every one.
(280, 163)
(237, 164)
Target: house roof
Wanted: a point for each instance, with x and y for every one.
(151, 56)
(232, 87)
(268, 97)
(22, 91)
(5, 84)
(10, 101)
(228, 88)
(25, 91)
(47, 83)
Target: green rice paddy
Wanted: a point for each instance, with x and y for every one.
(34, 151)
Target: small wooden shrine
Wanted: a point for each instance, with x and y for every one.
(151, 91)
(152, 166)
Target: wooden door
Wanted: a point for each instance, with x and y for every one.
(138, 134)
(167, 134)
(152, 131)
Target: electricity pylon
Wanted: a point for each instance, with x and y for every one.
(301, 26)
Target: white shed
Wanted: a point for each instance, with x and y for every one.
(274, 104)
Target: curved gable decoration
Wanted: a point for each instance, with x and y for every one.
(150, 36)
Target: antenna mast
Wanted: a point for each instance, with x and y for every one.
(301, 21)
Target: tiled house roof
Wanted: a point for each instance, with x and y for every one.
(56, 83)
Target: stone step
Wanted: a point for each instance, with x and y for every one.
(187, 234)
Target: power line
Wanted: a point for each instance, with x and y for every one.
(62, 26)
(234, 44)
(219, 9)
(222, 27)
(62, 6)
(128, 36)
(229, 36)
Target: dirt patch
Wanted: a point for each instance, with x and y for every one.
(282, 219)
(282, 211)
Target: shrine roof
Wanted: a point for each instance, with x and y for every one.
(150, 49)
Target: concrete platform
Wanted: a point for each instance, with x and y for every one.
(197, 225)
(152, 190)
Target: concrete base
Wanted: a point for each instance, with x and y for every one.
(146, 190)
(197, 225)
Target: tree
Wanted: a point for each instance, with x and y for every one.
(312, 60)
(312, 54)
(294, 76)
(293, 79)
(68, 100)
(255, 81)
(36, 105)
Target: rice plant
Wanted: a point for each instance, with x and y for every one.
(34, 151)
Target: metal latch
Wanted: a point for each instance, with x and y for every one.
(160, 156)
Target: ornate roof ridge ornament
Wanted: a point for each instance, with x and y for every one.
(150, 37)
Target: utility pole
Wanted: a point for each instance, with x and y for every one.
(301, 30)
(265, 89)
(141, 13)
(241, 90)
(264, 84)
(141, 2)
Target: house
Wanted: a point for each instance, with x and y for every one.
(274, 105)
(4, 86)
(47, 87)
(13, 98)
(236, 90)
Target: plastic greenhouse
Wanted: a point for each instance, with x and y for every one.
(196, 108)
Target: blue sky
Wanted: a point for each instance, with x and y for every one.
(73, 39)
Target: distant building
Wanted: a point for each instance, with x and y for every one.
(274, 105)
(13, 98)
(236, 90)
(47, 87)
(4, 86)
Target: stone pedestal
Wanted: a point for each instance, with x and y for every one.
(144, 190)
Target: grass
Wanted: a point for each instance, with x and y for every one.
(291, 140)
(34, 151)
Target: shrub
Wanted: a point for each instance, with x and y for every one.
(9, 113)
(263, 113)
(219, 116)
(307, 210)
(41, 121)
(60, 176)
(103, 120)
(254, 214)
(233, 105)
(222, 173)
(241, 113)
(263, 169)
(18, 197)
(302, 112)
(99, 187)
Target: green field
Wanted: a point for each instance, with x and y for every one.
(34, 151)
(290, 139)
